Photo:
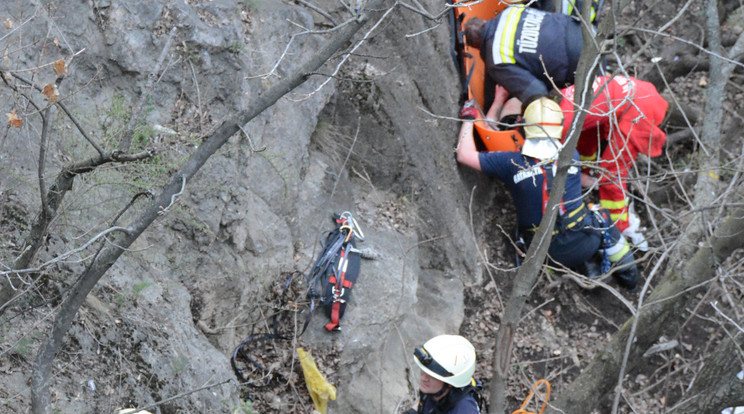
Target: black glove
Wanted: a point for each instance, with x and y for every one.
(469, 110)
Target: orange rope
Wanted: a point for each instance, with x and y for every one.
(522, 409)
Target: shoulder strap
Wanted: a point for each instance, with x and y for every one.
(547, 185)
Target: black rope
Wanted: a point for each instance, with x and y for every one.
(241, 351)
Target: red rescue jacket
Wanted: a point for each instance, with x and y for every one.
(626, 114)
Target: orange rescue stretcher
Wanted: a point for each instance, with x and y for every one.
(472, 70)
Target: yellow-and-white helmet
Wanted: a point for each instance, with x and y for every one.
(544, 128)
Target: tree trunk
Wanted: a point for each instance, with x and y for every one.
(719, 384)
(708, 156)
(661, 316)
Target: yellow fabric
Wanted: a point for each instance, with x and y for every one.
(577, 211)
(619, 255)
(320, 389)
(619, 217)
(613, 205)
(573, 223)
(592, 157)
(506, 43)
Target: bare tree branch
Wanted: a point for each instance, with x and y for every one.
(317, 10)
(54, 197)
(61, 104)
(45, 121)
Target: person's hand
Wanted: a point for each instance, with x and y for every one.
(469, 111)
(637, 238)
(500, 94)
(634, 231)
(587, 180)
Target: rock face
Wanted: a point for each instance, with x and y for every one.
(166, 318)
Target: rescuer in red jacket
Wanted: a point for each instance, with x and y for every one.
(622, 122)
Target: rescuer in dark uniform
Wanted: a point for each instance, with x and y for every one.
(526, 50)
(622, 122)
(579, 232)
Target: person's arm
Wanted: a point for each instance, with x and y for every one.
(519, 81)
(467, 154)
(500, 96)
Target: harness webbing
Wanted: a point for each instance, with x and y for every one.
(565, 220)
(606, 241)
(338, 288)
(547, 185)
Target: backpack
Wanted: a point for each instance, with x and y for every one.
(476, 389)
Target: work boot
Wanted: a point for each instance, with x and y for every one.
(628, 276)
(590, 269)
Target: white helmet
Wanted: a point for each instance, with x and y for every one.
(448, 358)
(544, 129)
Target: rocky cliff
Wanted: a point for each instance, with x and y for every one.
(166, 318)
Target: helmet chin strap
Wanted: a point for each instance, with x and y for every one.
(441, 393)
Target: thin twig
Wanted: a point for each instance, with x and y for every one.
(64, 108)
(198, 98)
(353, 49)
(728, 318)
(279, 60)
(681, 110)
(126, 141)
(165, 209)
(179, 396)
(317, 10)
(33, 16)
(701, 48)
(650, 41)
(65, 254)
(348, 154)
(428, 29)
(250, 141)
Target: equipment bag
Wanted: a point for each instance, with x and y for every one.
(336, 270)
